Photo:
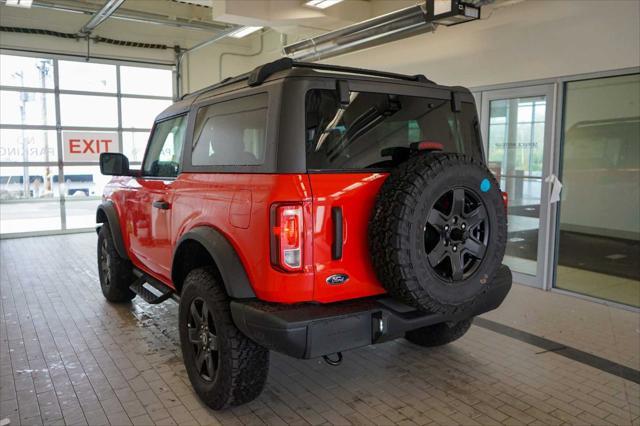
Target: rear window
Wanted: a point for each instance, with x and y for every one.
(375, 127)
(231, 133)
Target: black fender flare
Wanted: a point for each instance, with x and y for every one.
(234, 276)
(107, 210)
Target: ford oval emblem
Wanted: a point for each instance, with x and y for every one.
(337, 279)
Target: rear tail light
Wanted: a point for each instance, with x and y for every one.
(505, 201)
(288, 237)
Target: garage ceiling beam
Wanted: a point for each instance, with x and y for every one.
(101, 15)
(131, 15)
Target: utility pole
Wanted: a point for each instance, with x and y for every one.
(44, 71)
(25, 146)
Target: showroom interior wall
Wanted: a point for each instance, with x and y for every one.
(528, 40)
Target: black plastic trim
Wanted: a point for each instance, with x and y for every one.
(162, 291)
(313, 330)
(234, 276)
(337, 243)
(109, 210)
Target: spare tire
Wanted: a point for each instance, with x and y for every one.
(438, 232)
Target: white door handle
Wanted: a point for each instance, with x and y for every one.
(556, 187)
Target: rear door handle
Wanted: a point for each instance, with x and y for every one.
(337, 244)
(162, 205)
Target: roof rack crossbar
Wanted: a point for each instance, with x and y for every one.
(261, 73)
(328, 67)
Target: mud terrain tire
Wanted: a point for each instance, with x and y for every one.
(438, 232)
(439, 334)
(239, 365)
(116, 273)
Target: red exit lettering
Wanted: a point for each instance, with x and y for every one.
(89, 146)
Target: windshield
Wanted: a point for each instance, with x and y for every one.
(375, 130)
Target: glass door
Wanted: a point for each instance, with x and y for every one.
(517, 130)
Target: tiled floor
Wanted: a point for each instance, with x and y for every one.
(69, 357)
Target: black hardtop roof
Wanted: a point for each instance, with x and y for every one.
(288, 68)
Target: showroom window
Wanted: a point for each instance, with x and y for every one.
(56, 116)
(599, 224)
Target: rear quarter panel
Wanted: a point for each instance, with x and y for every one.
(355, 193)
(238, 205)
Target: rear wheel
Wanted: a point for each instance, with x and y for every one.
(439, 334)
(224, 366)
(116, 273)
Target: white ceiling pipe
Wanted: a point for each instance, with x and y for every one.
(101, 15)
(382, 29)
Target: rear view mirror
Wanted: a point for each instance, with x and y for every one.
(114, 164)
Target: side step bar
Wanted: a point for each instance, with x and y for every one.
(149, 289)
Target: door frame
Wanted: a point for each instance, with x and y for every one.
(545, 254)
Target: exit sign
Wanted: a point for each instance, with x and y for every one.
(87, 146)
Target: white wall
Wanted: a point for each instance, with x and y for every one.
(529, 40)
(202, 67)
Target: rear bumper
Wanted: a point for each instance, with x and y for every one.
(312, 330)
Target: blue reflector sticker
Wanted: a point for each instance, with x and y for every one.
(485, 185)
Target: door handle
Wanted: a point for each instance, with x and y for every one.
(162, 205)
(338, 243)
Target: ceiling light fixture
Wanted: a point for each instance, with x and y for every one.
(322, 4)
(19, 3)
(244, 31)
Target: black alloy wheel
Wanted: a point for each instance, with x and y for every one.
(456, 234)
(104, 258)
(202, 335)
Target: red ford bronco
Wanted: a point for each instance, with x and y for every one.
(307, 209)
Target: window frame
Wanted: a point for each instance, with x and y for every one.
(187, 121)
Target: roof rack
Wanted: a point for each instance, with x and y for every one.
(261, 73)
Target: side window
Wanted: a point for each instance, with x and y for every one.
(231, 133)
(165, 148)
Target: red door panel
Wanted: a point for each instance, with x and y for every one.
(355, 193)
(150, 237)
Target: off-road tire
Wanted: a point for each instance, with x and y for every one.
(438, 334)
(116, 273)
(397, 239)
(242, 365)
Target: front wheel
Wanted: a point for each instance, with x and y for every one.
(439, 334)
(224, 366)
(116, 273)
